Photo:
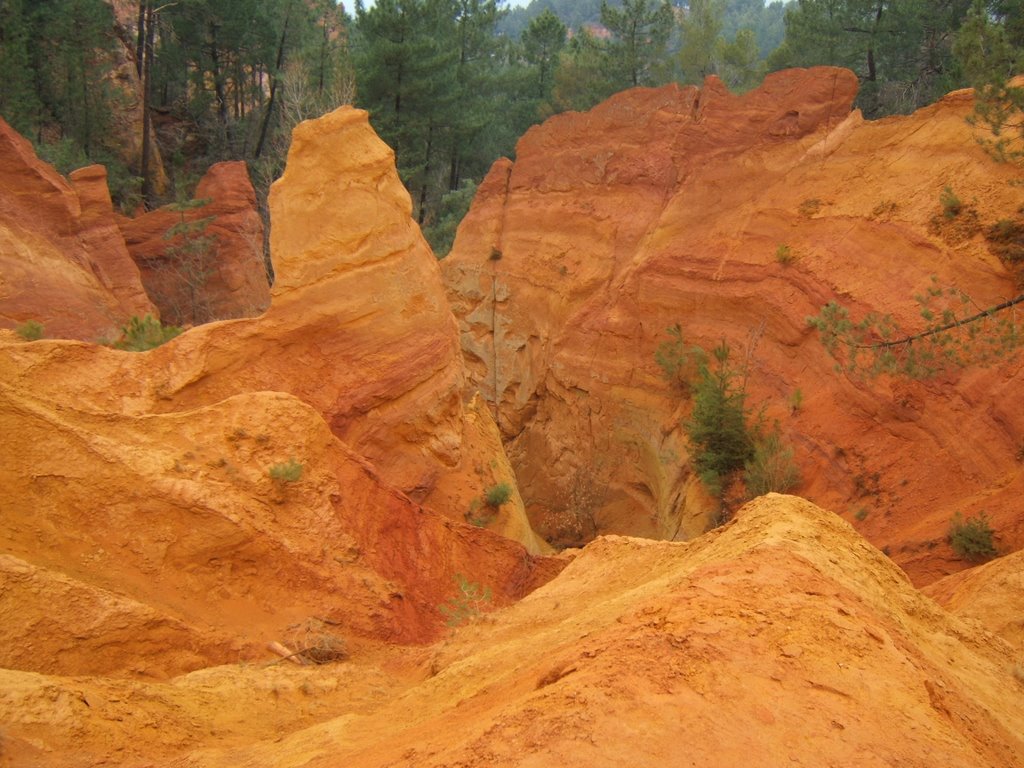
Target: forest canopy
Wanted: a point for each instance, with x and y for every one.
(449, 84)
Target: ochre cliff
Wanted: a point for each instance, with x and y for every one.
(223, 275)
(781, 638)
(669, 206)
(63, 263)
(148, 555)
(137, 492)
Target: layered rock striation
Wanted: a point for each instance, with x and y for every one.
(672, 206)
(185, 506)
(780, 638)
(63, 262)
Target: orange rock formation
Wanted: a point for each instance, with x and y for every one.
(62, 261)
(664, 206)
(780, 638)
(991, 594)
(146, 549)
(225, 278)
(136, 486)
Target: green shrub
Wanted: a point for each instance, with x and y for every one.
(470, 601)
(454, 206)
(30, 330)
(771, 468)
(498, 494)
(861, 514)
(720, 440)
(680, 364)
(286, 472)
(784, 255)
(1006, 240)
(796, 400)
(951, 204)
(141, 334)
(971, 538)
(474, 515)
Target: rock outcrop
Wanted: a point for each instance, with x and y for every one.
(991, 594)
(669, 206)
(204, 263)
(63, 263)
(137, 487)
(780, 638)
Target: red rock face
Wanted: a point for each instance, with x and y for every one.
(223, 275)
(669, 206)
(137, 486)
(63, 262)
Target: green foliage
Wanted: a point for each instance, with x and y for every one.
(740, 64)
(765, 19)
(141, 334)
(481, 519)
(469, 602)
(19, 101)
(543, 42)
(431, 74)
(191, 261)
(723, 434)
(971, 538)
(899, 51)
(73, 51)
(1006, 240)
(582, 78)
(453, 209)
(784, 255)
(680, 363)
(498, 494)
(954, 336)
(286, 472)
(951, 204)
(861, 514)
(796, 400)
(701, 31)
(989, 49)
(771, 468)
(30, 330)
(64, 154)
(721, 440)
(640, 31)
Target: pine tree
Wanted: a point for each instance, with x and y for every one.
(640, 31)
(721, 441)
(19, 104)
(543, 41)
(701, 40)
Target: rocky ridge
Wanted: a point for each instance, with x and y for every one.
(781, 637)
(147, 554)
(669, 206)
(138, 485)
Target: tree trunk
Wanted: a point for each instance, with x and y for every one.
(273, 82)
(218, 83)
(140, 40)
(426, 176)
(145, 171)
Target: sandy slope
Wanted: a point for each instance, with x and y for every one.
(781, 639)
